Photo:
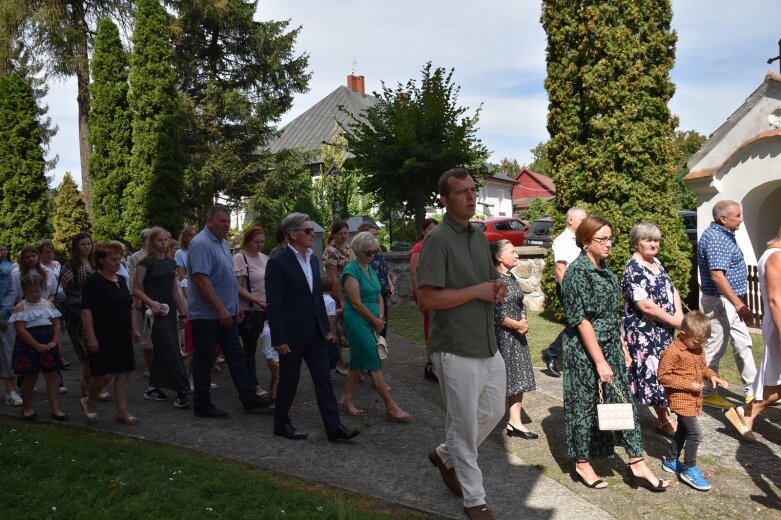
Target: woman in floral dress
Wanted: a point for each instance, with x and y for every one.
(335, 257)
(594, 355)
(652, 311)
(511, 327)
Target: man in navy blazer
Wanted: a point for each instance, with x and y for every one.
(299, 326)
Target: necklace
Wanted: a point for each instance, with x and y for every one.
(364, 268)
(111, 277)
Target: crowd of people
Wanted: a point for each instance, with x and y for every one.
(193, 298)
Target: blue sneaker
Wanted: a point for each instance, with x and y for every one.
(693, 477)
(672, 466)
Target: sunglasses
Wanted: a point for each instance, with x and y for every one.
(372, 252)
(308, 231)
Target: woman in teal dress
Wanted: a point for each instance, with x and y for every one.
(594, 355)
(363, 320)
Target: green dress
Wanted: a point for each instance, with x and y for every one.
(360, 333)
(593, 294)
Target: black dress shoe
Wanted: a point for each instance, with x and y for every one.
(512, 431)
(341, 433)
(209, 411)
(551, 364)
(256, 402)
(289, 431)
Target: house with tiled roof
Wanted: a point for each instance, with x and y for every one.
(320, 124)
(529, 186)
(741, 161)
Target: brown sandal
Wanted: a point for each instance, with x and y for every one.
(350, 410)
(128, 419)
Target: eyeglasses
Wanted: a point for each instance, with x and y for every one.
(308, 231)
(604, 240)
(372, 252)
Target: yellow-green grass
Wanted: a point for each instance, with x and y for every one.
(60, 472)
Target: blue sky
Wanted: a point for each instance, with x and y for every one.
(497, 48)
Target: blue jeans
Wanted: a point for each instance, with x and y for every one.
(206, 335)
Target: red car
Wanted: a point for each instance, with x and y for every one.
(500, 228)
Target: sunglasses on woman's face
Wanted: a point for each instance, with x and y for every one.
(372, 252)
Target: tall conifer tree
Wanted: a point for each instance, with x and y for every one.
(611, 130)
(24, 204)
(154, 196)
(70, 214)
(110, 131)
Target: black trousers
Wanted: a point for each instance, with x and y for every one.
(687, 439)
(315, 354)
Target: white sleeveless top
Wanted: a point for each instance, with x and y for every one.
(35, 314)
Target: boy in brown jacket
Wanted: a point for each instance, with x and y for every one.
(682, 370)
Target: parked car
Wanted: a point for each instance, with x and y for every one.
(689, 224)
(500, 228)
(539, 233)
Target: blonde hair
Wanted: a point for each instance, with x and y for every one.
(153, 234)
(696, 325)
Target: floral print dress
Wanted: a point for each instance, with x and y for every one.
(591, 293)
(646, 338)
(512, 345)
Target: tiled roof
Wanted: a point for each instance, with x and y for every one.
(318, 125)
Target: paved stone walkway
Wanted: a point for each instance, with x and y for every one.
(523, 479)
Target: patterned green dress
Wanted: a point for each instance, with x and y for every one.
(593, 294)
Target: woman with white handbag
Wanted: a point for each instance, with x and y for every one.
(595, 358)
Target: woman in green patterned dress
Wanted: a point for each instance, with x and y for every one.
(595, 354)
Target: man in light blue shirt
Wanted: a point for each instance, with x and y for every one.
(214, 315)
(723, 280)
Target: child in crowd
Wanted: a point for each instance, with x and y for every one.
(682, 370)
(272, 358)
(330, 309)
(37, 325)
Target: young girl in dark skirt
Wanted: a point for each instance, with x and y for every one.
(37, 324)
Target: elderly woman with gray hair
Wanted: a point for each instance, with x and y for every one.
(652, 311)
(363, 321)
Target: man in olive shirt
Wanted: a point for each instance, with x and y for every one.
(457, 280)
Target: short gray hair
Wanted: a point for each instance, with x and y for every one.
(644, 230)
(722, 207)
(363, 240)
(217, 208)
(293, 222)
(575, 210)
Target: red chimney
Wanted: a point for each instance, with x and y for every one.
(355, 83)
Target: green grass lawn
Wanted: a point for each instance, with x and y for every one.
(408, 322)
(59, 472)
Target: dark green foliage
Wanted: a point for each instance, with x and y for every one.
(686, 144)
(541, 163)
(70, 214)
(154, 195)
(238, 75)
(537, 208)
(24, 204)
(611, 146)
(110, 132)
(410, 138)
(287, 187)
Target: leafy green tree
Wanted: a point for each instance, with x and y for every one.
(287, 187)
(24, 205)
(537, 208)
(611, 130)
(506, 166)
(686, 144)
(405, 142)
(346, 189)
(154, 195)
(110, 131)
(60, 32)
(70, 214)
(239, 75)
(541, 163)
